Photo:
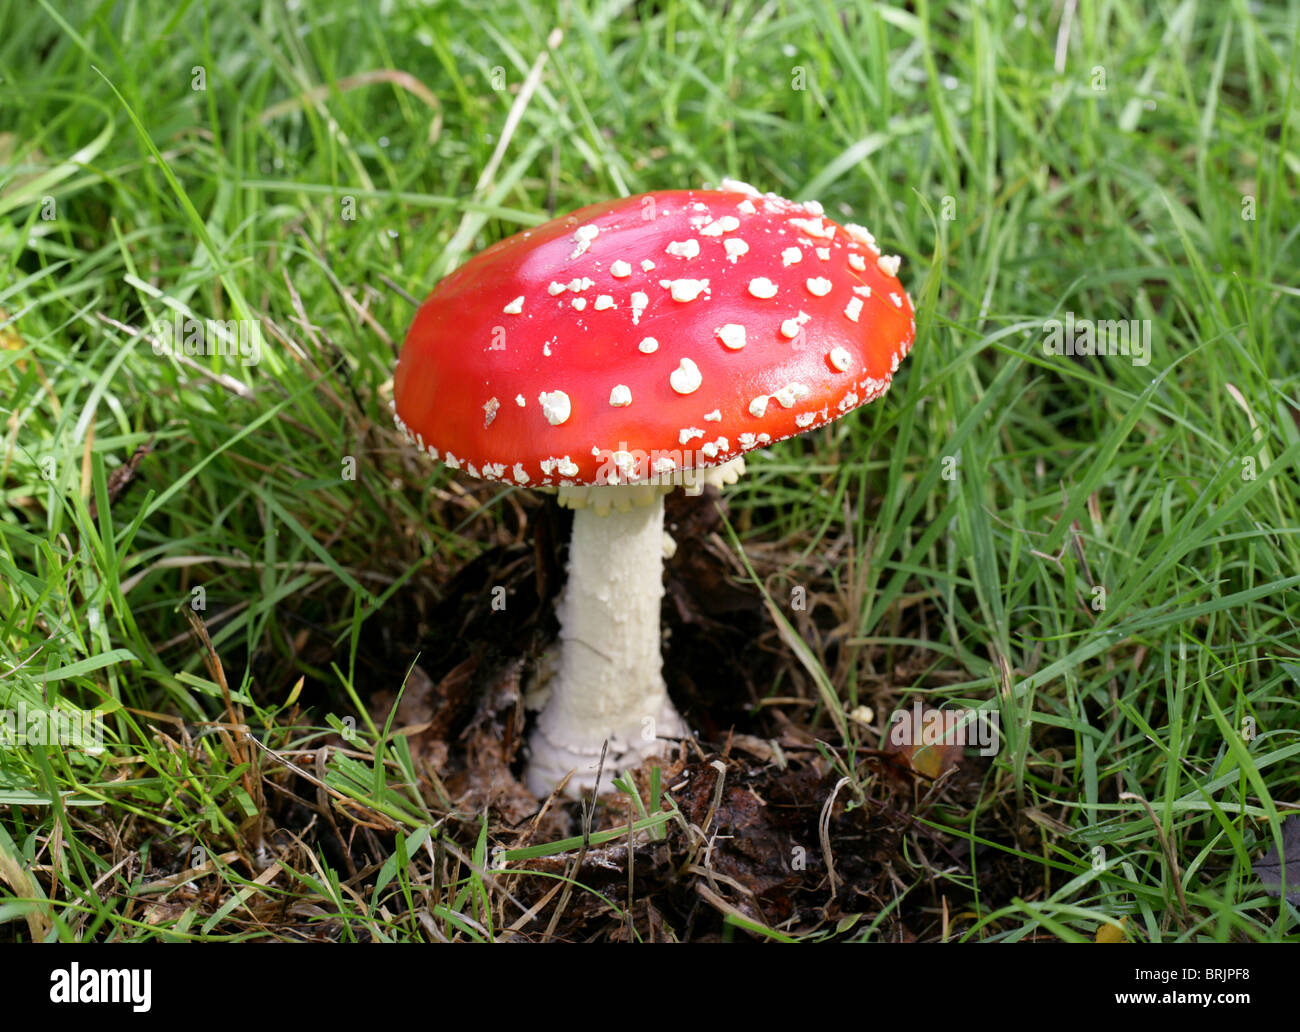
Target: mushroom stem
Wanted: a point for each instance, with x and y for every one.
(610, 682)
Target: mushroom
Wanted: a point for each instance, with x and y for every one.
(620, 351)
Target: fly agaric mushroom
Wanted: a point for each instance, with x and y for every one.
(619, 351)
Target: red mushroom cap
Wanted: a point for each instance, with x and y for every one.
(638, 337)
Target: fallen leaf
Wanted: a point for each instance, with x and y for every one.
(1268, 868)
(747, 842)
(927, 741)
(1108, 932)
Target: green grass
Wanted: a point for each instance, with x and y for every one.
(958, 530)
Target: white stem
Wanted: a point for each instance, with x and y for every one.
(610, 683)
